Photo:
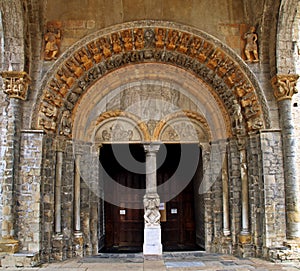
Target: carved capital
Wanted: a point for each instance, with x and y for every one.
(152, 147)
(15, 84)
(284, 86)
(60, 144)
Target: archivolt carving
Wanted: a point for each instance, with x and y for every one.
(195, 52)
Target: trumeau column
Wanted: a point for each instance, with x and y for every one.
(284, 86)
(152, 230)
(15, 85)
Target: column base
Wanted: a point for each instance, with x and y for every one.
(292, 243)
(58, 247)
(152, 241)
(78, 244)
(245, 238)
(9, 245)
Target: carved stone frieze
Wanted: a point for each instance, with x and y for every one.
(157, 44)
(15, 84)
(284, 86)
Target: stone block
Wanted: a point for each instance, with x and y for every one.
(152, 241)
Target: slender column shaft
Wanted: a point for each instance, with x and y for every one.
(58, 179)
(226, 229)
(151, 186)
(245, 195)
(77, 227)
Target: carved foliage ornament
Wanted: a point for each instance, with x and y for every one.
(284, 86)
(138, 45)
(15, 84)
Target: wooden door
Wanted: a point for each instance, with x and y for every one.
(124, 227)
(178, 230)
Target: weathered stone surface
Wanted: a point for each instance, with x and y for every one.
(28, 159)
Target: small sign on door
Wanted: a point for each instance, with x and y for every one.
(173, 211)
(122, 212)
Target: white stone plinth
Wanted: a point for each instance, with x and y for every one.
(152, 241)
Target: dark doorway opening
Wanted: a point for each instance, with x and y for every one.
(124, 227)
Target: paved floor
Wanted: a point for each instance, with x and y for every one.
(170, 262)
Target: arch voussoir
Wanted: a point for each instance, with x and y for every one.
(179, 46)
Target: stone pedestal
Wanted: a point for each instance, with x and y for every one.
(152, 241)
(9, 245)
(58, 247)
(78, 244)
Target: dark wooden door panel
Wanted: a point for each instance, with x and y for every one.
(125, 229)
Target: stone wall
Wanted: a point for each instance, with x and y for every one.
(220, 18)
(274, 193)
(47, 194)
(28, 192)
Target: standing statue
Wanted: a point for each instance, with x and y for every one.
(251, 45)
(237, 115)
(52, 43)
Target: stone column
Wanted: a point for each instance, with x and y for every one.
(284, 86)
(152, 231)
(226, 226)
(58, 242)
(244, 236)
(78, 236)
(15, 86)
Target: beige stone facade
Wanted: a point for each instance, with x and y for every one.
(210, 84)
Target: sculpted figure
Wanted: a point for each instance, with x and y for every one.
(173, 39)
(66, 123)
(127, 40)
(94, 50)
(237, 115)
(116, 43)
(251, 45)
(83, 58)
(160, 38)
(105, 46)
(52, 41)
(139, 39)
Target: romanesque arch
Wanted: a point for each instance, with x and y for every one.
(134, 43)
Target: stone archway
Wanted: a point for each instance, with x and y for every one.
(162, 42)
(108, 78)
